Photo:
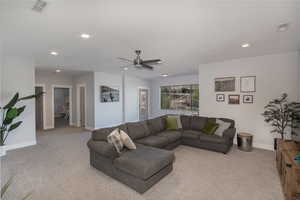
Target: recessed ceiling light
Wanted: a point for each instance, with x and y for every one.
(283, 27)
(245, 45)
(164, 75)
(125, 68)
(58, 70)
(53, 53)
(85, 36)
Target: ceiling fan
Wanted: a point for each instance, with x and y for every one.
(142, 64)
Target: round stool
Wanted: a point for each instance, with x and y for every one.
(244, 141)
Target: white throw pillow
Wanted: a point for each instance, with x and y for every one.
(114, 138)
(126, 140)
(222, 127)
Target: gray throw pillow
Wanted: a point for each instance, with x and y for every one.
(222, 127)
(114, 138)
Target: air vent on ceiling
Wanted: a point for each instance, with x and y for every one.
(39, 5)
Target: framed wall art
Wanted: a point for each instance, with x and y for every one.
(225, 84)
(247, 98)
(109, 94)
(220, 97)
(248, 83)
(234, 99)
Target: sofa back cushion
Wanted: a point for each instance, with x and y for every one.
(186, 122)
(198, 122)
(101, 134)
(137, 130)
(156, 125)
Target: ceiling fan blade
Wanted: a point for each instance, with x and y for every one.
(125, 59)
(154, 61)
(147, 66)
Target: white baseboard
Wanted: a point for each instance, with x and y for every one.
(89, 128)
(20, 145)
(48, 127)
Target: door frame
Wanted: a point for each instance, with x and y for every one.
(78, 86)
(43, 86)
(138, 92)
(70, 100)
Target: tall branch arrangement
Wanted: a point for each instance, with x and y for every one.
(281, 113)
(9, 113)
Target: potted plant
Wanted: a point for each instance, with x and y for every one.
(281, 113)
(9, 113)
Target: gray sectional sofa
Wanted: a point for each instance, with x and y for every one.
(142, 168)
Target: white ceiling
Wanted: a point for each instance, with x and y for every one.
(183, 33)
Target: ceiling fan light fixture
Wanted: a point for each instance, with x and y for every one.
(39, 5)
(164, 75)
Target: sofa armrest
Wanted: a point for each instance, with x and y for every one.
(103, 148)
(229, 133)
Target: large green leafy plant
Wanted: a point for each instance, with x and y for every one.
(281, 114)
(10, 112)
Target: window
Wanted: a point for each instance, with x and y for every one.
(180, 97)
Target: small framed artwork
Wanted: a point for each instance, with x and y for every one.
(248, 83)
(247, 98)
(220, 97)
(234, 99)
(225, 84)
(109, 94)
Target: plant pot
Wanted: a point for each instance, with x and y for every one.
(2, 151)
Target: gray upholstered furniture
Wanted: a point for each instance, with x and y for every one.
(152, 160)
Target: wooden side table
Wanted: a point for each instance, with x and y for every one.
(244, 141)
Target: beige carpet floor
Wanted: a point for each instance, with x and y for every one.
(57, 168)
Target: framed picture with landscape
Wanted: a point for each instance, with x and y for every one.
(234, 99)
(109, 94)
(225, 84)
(180, 97)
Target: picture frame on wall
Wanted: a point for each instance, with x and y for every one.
(234, 99)
(109, 94)
(220, 97)
(248, 84)
(248, 99)
(225, 84)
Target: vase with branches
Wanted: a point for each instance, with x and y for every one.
(10, 112)
(282, 114)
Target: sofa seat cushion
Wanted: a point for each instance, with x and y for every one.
(191, 134)
(212, 138)
(172, 136)
(144, 161)
(153, 141)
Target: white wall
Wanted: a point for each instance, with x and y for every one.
(48, 79)
(107, 114)
(275, 74)
(155, 92)
(88, 81)
(132, 86)
(299, 75)
(18, 76)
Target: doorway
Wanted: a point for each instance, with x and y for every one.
(61, 107)
(81, 106)
(39, 109)
(143, 103)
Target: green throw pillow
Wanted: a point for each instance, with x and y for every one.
(171, 123)
(210, 128)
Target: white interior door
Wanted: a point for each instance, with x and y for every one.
(82, 107)
(143, 104)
